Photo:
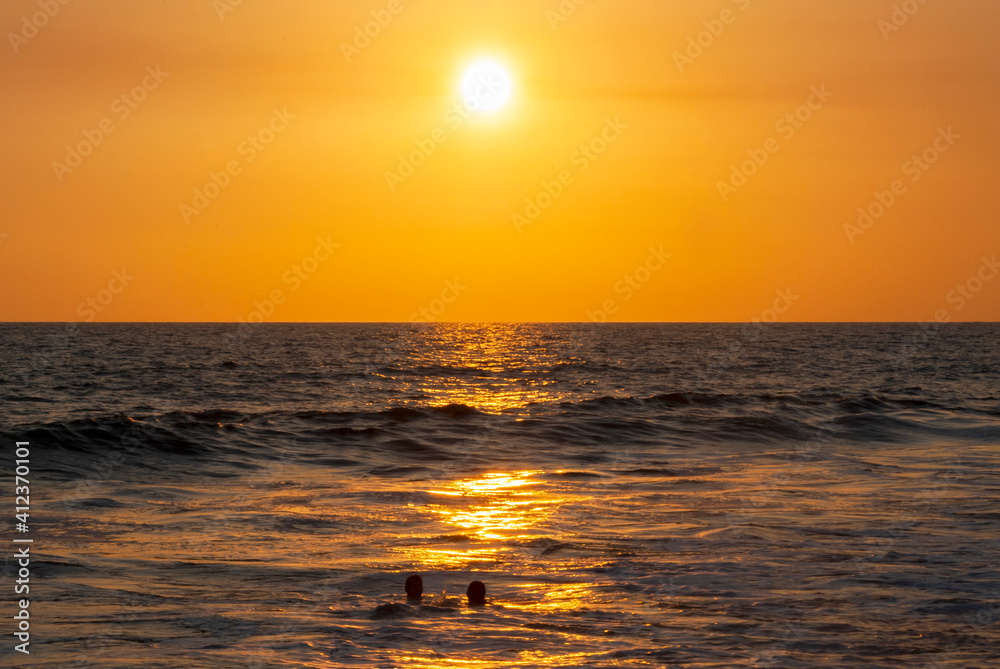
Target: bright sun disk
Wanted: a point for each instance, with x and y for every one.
(486, 86)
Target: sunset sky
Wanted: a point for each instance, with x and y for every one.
(308, 222)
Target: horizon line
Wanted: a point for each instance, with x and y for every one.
(751, 322)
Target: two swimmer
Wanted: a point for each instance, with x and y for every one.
(414, 587)
(476, 592)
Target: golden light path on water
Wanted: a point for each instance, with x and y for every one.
(509, 505)
(494, 399)
(491, 515)
(491, 368)
(489, 522)
(535, 658)
(487, 512)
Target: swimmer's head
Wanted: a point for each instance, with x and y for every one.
(414, 586)
(476, 593)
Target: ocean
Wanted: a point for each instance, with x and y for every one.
(631, 495)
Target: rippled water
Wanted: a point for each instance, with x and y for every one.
(635, 495)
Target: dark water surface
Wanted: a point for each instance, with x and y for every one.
(632, 495)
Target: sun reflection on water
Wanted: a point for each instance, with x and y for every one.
(495, 369)
(495, 398)
(558, 597)
(492, 513)
(526, 657)
(496, 506)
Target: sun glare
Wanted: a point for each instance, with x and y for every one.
(486, 86)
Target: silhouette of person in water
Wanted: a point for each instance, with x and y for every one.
(414, 587)
(476, 593)
(414, 591)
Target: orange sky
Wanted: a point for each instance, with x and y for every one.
(445, 240)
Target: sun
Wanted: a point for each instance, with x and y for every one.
(486, 86)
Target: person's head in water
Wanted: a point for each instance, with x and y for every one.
(414, 587)
(476, 593)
